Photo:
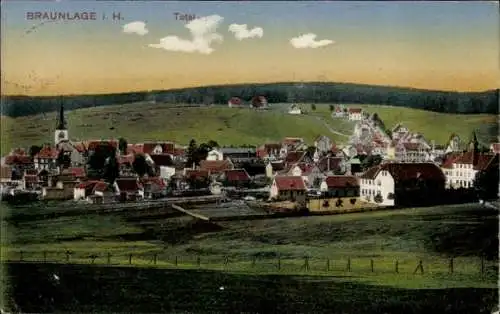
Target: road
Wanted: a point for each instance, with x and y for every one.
(325, 123)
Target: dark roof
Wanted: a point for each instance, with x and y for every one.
(18, 160)
(128, 184)
(166, 147)
(193, 174)
(47, 152)
(216, 165)
(341, 181)
(295, 157)
(329, 163)
(406, 171)
(236, 175)
(478, 160)
(162, 160)
(290, 183)
(277, 165)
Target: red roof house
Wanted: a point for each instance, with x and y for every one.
(216, 166)
(236, 177)
(234, 102)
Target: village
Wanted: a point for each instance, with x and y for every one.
(377, 167)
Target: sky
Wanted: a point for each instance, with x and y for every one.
(146, 46)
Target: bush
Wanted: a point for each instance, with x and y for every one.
(353, 201)
(390, 196)
(378, 198)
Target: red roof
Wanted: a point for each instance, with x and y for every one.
(78, 172)
(412, 146)
(18, 160)
(193, 174)
(294, 157)
(406, 171)
(290, 183)
(259, 101)
(334, 182)
(450, 159)
(305, 168)
(135, 148)
(79, 146)
(128, 184)
(214, 166)
(235, 101)
(158, 181)
(179, 151)
(18, 151)
(47, 152)
(87, 184)
(100, 187)
(93, 145)
(478, 160)
(355, 110)
(237, 175)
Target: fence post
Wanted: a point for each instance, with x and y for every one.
(155, 256)
(68, 254)
(21, 256)
(109, 258)
(254, 261)
(327, 264)
(45, 256)
(371, 265)
(420, 267)
(130, 259)
(349, 264)
(397, 267)
(279, 262)
(451, 265)
(176, 261)
(226, 261)
(306, 263)
(198, 261)
(92, 258)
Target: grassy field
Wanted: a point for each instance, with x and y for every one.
(255, 259)
(433, 125)
(139, 122)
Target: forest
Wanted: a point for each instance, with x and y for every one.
(310, 92)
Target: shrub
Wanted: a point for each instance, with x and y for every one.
(353, 201)
(378, 198)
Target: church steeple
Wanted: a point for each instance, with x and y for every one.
(61, 132)
(61, 122)
(474, 144)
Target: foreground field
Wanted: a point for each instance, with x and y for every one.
(467, 233)
(229, 126)
(97, 289)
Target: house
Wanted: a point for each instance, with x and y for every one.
(75, 151)
(339, 112)
(235, 102)
(288, 188)
(401, 184)
(236, 177)
(215, 154)
(239, 154)
(31, 182)
(5, 174)
(154, 187)
(340, 186)
(323, 144)
(414, 152)
(461, 168)
(197, 179)
(454, 144)
(46, 158)
(272, 168)
(216, 166)
(332, 165)
(84, 190)
(295, 157)
(163, 164)
(355, 114)
(258, 102)
(102, 193)
(129, 188)
(270, 151)
(60, 188)
(294, 109)
(293, 143)
(158, 148)
(310, 173)
(94, 145)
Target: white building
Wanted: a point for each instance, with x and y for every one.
(377, 182)
(460, 169)
(167, 172)
(294, 109)
(355, 114)
(215, 154)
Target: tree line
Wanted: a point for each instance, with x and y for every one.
(438, 101)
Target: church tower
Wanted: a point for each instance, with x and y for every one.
(61, 132)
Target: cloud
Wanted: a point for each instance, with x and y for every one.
(309, 41)
(203, 33)
(136, 27)
(242, 32)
